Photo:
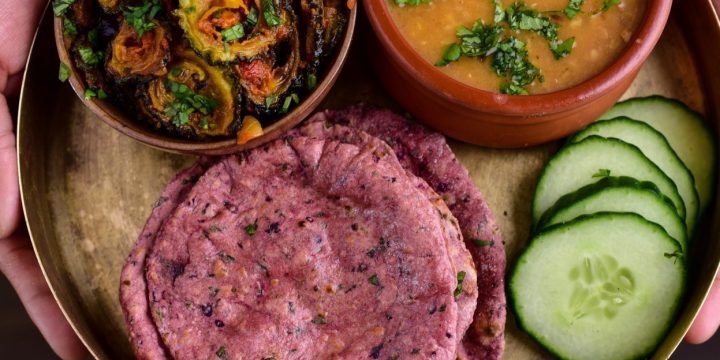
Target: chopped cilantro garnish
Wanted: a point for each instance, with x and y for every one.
(521, 17)
(175, 72)
(312, 81)
(601, 173)
(60, 7)
(607, 4)
(319, 319)
(90, 93)
(186, 102)
(234, 33)
(499, 14)
(221, 353)
(269, 101)
(94, 36)
(251, 18)
(511, 62)
(374, 280)
(481, 40)
(451, 53)
(101, 94)
(251, 229)
(573, 8)
(89, 56)
(483, 243)
(459, 287)
(270, 14)
(69, 27)
(140, 17)
(64, 72)
(561, 49)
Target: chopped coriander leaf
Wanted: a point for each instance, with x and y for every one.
(319, 319)
(561, 49)
(234, 33)
(312, 81)
(511, 62)
(221, 353)
(601, 173)
(93, 36)
(140, 17)
(251, 229)
(69, 27)
(186, 102)
(512, 89)
(460, 279)
(269, 101)
(411, 2)
(270, 14)
(481, 40)
(483, 243)
(286, 104)
(573, 8)
(60, 7)
(64, 72)
(90, 93)
(374, 280)
(203, 124)
(251, 18)
(101, 94)
(176, 72)
(90, 57)
(499, 12)
(607, 4)
(521, 17)
(451, 53)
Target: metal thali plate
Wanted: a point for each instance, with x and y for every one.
(87, 189)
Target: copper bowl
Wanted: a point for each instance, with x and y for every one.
(496, 120)
(127, 124)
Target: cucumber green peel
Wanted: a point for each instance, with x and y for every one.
(602, 286)
(579, 164)
(618, 194)
(685, 130)
(656, 148)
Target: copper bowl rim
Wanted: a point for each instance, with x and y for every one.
(120, 121)
(532, 108)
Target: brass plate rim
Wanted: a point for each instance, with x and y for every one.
(25, 191)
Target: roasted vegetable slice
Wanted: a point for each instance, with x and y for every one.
(228, 30)
(313, 31)
(267, 80)
(132, 57)
(193, 99)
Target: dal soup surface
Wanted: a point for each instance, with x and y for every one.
(599, 38)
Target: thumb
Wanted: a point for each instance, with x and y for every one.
(18, 263)
(708, 319)
(17, 259)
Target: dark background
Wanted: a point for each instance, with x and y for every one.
(19, 339)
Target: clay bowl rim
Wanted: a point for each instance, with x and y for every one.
(121, 121)
(531, 108)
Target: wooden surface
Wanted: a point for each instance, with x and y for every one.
(88, 189)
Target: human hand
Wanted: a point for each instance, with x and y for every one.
(708, 318)
(18, 19)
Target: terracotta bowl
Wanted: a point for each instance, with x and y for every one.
(496, 120)
(126, 123)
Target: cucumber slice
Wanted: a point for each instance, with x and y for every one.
(604, 286)
(619, 194)
(685, 130)
(653, 145)
(582, 163)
